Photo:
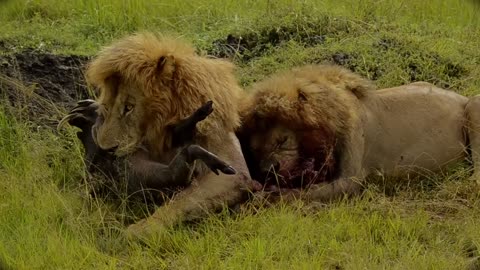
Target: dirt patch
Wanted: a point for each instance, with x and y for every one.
(306, 30)
(390, 59)
(352, 61)
(418, 63)
(246, 46)
(40, 83)
(421, 63)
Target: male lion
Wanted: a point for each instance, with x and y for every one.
(323, 127)
(148, 83)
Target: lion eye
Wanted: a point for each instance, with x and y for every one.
(282, 141)
(128, 108)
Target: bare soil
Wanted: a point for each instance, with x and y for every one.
(41, 84)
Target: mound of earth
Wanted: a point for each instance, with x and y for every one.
(255, 44)
(42, 84)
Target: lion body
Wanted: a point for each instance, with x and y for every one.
(413, 129)
(404, 131)
(147, 84)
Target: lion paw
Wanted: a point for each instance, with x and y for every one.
(144, 230)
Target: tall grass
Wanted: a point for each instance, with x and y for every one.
(83, 25)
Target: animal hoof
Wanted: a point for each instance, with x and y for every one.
(229, 170)
(205, 110)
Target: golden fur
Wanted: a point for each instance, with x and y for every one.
(149, 82)
(185, 82)
(317, 102)
(328, 123)
(307, 97)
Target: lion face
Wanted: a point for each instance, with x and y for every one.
(275, 150)
(119, 125)
(281, 155)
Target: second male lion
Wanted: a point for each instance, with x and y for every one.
(325, 128)
(148, 83)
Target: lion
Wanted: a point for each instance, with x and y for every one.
(326, 130)
(147, 83)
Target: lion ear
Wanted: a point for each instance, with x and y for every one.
(302, 96)
(166, 65)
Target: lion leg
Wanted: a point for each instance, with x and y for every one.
(322, 192)
(210, 193)
(196, 201)
(472, 111)
(325, 192)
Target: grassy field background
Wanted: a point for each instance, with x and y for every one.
(48, 222)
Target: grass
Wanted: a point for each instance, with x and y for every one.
(48, 222)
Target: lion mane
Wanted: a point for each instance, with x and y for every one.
(314, 100)
(185, 82)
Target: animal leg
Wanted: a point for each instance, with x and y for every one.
(184, 131)
(143, 172)
(210, 193)
(84, 115)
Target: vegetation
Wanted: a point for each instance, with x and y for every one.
(47, 221)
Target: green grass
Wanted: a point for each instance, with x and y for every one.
(48, 222)
(82, 26)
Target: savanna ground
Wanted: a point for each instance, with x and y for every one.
(47, 221)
